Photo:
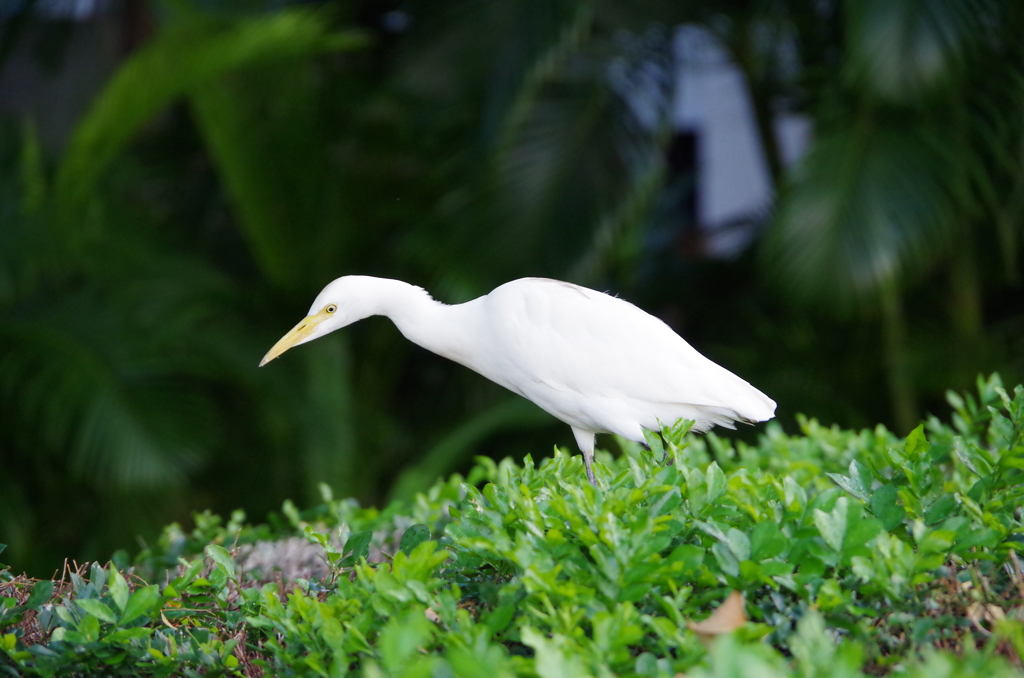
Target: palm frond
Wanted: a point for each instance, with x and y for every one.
(86, 418)
(869, 206)
(903, 49)
(106, 376)
(182, 57)
(561, 153)
(28, 251)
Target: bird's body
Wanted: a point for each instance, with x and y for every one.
(596, 362)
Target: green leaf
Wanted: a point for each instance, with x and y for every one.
(192, 570)
(98, 609)
(219, 578)
(861, 533)
(766, 540)
(936, 541)
(855, 482)
(118, 589)
(402, 638)
(696, 489)
(886, 508)
(971, 458)
(124, 635)
(413, 537)
(716, 482)
(739, 543)
(917, 445)
(726, 559)
(140, 603)
(689, 555)
(654, 442)
(984, 537)
(832, 525)
(499, 619)
(553, 657)
(940, 510)
(646, 664)
(41, 593)
(89, 627)
(794, 493)
(357, 546)
(851, 485)
(220, 555)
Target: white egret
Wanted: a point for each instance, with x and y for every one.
(594, 361)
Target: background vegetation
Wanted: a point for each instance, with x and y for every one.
(244, 153)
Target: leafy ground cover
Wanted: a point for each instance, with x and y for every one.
(829, 553)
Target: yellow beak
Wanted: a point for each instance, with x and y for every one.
(295, 336)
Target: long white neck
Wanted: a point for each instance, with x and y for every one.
(420, 318)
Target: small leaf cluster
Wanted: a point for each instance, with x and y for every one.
(100, 625)
(857, 553)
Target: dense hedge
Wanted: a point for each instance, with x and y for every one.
(855, 553)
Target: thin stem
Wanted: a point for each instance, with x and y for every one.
(965, 292)
(897, 359)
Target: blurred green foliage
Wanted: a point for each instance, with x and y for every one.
(246, 153)
(857, 552)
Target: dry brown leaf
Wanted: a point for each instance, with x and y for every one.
(729, 616)
(432, 616)
(169, 624)
(979, 612)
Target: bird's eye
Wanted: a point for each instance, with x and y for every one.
(331, 308)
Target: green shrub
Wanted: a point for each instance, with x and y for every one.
(856, 553)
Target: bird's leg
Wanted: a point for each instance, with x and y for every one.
(585, 440)
(588, 461)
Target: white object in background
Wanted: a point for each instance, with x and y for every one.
(711, 101)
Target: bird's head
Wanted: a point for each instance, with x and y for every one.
(338, 305)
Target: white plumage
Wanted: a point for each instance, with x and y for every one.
(596, 362)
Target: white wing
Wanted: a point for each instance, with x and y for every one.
(576, 340)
